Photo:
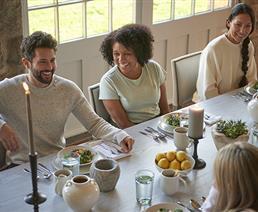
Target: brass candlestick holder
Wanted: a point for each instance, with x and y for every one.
(35, 198)
(199, 163)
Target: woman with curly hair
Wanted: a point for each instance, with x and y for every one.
(228, 61)
(133, 90)
(236, 179)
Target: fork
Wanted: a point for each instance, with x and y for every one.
(155, 138)
(161, 135)
(110, 149)
(45, 168)
(44, 174)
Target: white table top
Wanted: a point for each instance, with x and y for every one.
(16, 184)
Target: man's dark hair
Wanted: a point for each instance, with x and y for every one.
(37, 39)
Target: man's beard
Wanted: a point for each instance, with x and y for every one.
(39, 75)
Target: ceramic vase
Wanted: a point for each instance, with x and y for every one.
(81, 193)
(252, 108)
(106, 173)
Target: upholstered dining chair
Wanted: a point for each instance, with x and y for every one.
(184, 77)
(97, 104)
(2, 156)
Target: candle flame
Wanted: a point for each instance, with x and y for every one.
(26, 88)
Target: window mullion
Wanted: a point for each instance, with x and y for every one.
(56, 12)
(172, 15)
(25, 15)
(85, 30)
(193, 7)
(110, 14)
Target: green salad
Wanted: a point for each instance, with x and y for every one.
(232, 129)
(86, 156)
(173, 120)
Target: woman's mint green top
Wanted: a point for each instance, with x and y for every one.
(140, 97)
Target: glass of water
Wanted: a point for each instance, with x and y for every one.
(144, 180)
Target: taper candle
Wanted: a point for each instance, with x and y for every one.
(195, 122)
(30, 129)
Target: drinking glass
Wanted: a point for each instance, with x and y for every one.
(144, 180)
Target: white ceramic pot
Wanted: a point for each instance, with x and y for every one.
(220, 140)
(81, 193)
(252, 108)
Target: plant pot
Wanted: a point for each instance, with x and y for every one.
(220, 140)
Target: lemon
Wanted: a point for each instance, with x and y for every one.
(163, 163)
(180, 156)
(174, 165)
(159, 156)
(171, 155)
(186, 164)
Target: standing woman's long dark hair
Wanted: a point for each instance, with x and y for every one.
(236, 10)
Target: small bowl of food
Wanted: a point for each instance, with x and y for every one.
(179, 161)
(87, 154)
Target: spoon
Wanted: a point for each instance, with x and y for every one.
(195, 204)
(44, 174)
(28, 171)
(183, 205)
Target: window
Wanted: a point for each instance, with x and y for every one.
(75, 19)
(165, 10)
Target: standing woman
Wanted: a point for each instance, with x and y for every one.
(228, 61)
(235, 186)
(133, 90)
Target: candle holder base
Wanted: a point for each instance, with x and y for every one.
(199, 163)
(38, 199)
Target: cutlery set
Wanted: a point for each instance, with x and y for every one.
(155, 134)
(196, 206)
(246, 97)
(43, 171)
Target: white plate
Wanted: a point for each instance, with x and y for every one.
(68, 150)
(167, 128)
(58, 165)
(170, 206)
(250, 90)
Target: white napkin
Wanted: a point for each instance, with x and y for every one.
(211, 119)
(109, 150)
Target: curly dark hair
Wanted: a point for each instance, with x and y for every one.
(135, 37)
(242, 8)
(37, 39)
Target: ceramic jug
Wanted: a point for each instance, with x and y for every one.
(252, 108)
(81, 193)
(106, 172)
(61, 177)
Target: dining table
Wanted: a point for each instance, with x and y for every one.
(15, 184)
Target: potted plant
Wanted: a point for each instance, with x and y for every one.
(225, 132)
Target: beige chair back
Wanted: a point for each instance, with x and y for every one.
(184, 76)
(97, 104)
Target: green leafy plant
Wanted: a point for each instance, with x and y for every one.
(255, 86)
(232, 129)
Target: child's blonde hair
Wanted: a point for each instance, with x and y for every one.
(236, 177)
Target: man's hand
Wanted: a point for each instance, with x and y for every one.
(8, 138)
(127, 144)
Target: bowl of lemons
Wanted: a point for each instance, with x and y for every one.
(179, 161)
